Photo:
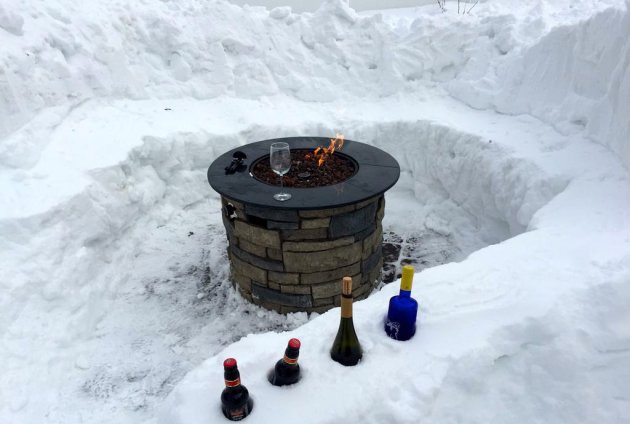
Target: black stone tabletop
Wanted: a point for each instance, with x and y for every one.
(377, 172)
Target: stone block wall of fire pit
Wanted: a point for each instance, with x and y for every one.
(293, 260)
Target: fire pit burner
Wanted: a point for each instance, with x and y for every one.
(290, 256)
(305, 171)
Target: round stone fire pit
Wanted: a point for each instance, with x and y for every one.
(290, 256)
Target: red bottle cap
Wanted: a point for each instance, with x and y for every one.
(294, 344)
(229, 363)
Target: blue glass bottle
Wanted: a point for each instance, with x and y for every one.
(403, 309)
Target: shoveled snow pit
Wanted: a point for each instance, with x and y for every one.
(290, 256)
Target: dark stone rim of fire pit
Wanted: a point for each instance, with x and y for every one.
(377, 172)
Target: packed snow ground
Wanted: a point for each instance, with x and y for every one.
(115, 304)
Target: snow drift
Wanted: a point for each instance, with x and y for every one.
(575, 74)
(113, 290)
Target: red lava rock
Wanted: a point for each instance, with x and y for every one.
(304, 171)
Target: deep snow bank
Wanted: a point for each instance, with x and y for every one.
(500, 192)
(114, 275)
(71, 51)
(60, 55)
(575, 76)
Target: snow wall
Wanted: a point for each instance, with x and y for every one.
(312, 5)
(65, 53)
(86, 241)
(164, 176)
(574, 77)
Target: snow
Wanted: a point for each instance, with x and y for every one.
(511, 128)
(576, 76)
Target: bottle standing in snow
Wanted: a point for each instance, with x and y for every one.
(287, 370)
(403, 309)
(346, 349)
(235, 401)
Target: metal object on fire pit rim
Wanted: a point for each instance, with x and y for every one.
(377, 172)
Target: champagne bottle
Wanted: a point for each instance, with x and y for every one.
(287, 370)
(235, 401)
(403, 309)
(346, 349)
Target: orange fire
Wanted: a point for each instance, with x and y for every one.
(323, 153)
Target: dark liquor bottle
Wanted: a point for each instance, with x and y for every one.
(235, 401)
(403, 309)
(346, 348)
(287, 370)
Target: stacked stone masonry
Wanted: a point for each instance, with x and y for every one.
(294, 260)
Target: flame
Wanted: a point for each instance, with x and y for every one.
(323, 153)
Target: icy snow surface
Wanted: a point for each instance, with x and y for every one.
(511, 128)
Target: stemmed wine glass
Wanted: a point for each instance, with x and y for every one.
(280, 160)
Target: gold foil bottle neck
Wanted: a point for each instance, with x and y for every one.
(347, 286)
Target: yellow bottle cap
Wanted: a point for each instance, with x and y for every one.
(407, 278)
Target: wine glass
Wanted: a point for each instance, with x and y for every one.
(280, 160)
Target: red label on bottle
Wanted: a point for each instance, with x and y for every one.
(290, 361)
(232, 383)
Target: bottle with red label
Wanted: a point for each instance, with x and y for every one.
(287, 370)
(235, 401)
